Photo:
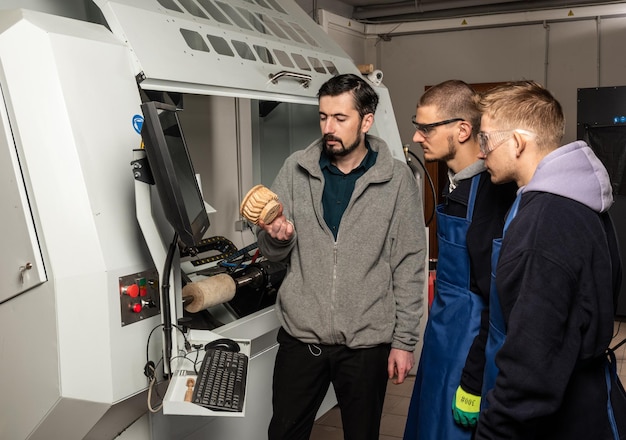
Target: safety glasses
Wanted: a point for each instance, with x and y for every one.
(489, 141)
(425, 129)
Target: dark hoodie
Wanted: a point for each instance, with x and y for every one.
(556, 279)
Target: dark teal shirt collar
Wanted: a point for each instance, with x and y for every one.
(338, 187)
(368, 161)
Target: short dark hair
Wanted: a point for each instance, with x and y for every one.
(365, 98)
(454, 99)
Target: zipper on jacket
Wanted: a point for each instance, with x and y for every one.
(333, 293)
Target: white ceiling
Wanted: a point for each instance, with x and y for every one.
(398, 10)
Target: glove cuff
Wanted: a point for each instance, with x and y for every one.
(467, 402)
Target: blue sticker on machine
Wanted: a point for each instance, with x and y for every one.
(137, 123)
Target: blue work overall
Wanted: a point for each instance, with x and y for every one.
(453, 323)
(497, 330)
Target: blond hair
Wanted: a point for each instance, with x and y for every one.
(529, 106)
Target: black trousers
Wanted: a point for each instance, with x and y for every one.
(302, 375)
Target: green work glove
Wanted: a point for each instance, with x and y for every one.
(465, 408)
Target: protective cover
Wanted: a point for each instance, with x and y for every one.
(266, 49)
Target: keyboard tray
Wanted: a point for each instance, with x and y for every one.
(221, 381)
(178, 398)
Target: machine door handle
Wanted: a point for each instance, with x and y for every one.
(23, 269)
(303, 78)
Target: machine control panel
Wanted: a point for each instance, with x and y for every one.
(139, 296)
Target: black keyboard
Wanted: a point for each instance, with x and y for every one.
(221, 381)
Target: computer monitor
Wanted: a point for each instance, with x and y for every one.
(173, 172)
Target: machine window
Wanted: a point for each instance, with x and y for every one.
(193, 8)
(262, 4)
(276, 6)
(230, 11)
(331, 67)
(293, 34)
(317, 65)
(264, 54)
(214, 11)
(300, 61)
(256, 23)
(169, 4)
(194, 40)
(283, 58)
(243, 50)
(304, 34)
(273, 26)
(220, 45)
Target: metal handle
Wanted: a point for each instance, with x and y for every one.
(23, 269)
(303, 78)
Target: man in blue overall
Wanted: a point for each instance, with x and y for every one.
(450, 373)
(557, 278)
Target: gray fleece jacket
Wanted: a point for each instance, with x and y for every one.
(365, 288)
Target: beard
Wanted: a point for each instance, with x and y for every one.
(451, 151)
(343, 150)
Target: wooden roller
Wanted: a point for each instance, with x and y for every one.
(200, 295)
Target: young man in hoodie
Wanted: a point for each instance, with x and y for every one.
(556, 280)
(352, 231)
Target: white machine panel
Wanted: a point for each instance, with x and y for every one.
(26, 269)
(73, 247)
(231, 48)
(68, 189)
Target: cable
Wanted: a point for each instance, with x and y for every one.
(255, 256)
(242, 252)
(151, 386)
(150, 368)
(619, 345)
(430, 181)
(219, 243)
(242, 255)
(615, 336)
(148, 361)
(193, 363)
(165, 302)
(148, 343)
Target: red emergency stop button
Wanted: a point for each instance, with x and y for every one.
(132, 290)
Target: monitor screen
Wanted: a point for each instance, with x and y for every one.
(173, 172)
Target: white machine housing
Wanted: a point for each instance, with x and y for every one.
(71, 94)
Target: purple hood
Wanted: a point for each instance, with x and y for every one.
(575, 172)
